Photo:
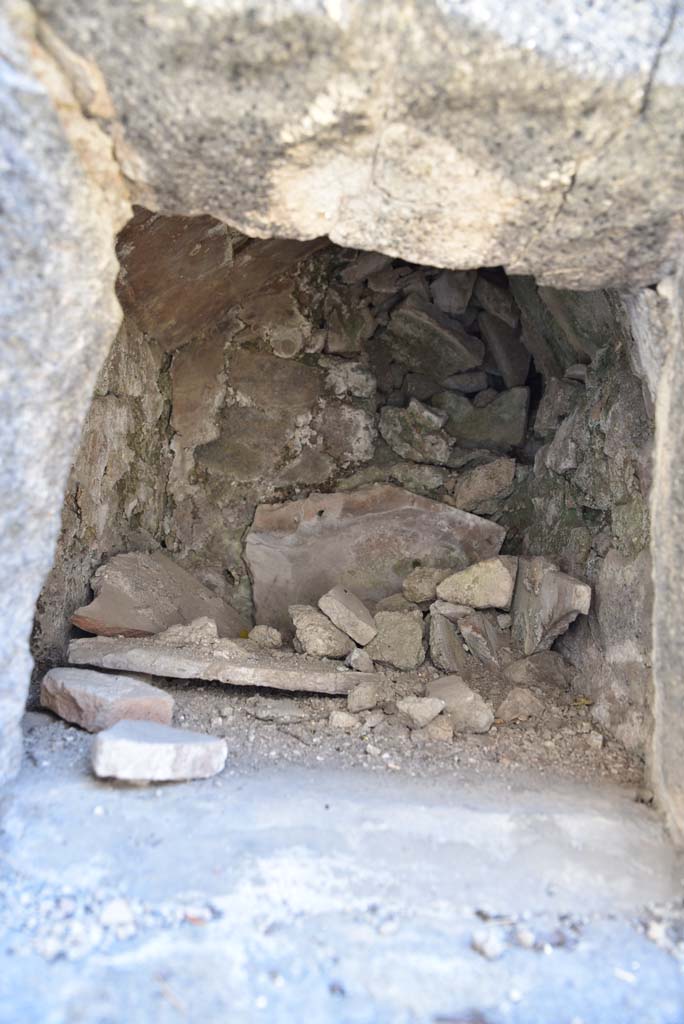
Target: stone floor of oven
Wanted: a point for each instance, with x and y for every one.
(324, 892)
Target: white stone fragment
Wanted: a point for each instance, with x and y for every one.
(317, 635)
(149, 752)
(400, 639)
(467, 710)
(363, 697)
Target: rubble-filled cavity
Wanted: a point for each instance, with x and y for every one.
(426, 489)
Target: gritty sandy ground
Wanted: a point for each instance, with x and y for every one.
(335, 877)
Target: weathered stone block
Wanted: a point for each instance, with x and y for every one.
(349, 614)
(366, 540)
(98, 700)
(487, 584)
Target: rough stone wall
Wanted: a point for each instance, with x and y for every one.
(62, 200)
(218, 398)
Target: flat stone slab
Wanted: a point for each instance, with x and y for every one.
(137, 594)
(366, 540)
(236, 662)
(150, 752)
(97, 700)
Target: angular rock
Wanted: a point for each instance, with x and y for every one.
(496, 299)
(447, 652)
(439, 730)
(416, 433)
(349, 614)
(266, 636)
(559, 399)
(476, 489)
(545, 603)
(467, 383)
(504, 346)
(349, 321)
(417, 712)
(486, 641)
(546, 668)
(425, 340)
(484, 398)
(236, 662)
(139, 595)
(344, 378)
(367, 540)
(421, 583)
(466, 709)
(417, 385)
(399, 641)
(360, 660)
(519, 705)
(487, 584)
(150, 752)
(500, 425)
(450, 611)
(98, 700)
(363, 265)
(363, 697)
(343, 720)
(317, 635)
(451, 290)
(395, 603)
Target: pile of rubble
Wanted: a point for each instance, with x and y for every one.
(495, 619)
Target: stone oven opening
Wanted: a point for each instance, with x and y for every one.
(337, 504)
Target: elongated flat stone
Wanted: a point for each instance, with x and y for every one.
(366, 540)
(349, 614)
(236, 662)
(150, 752)
(98, 700)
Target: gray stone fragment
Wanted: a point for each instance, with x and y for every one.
(343, 720)
(466, 709)
(395, 603)
(399, 641)
(417, 712)
(360, 660)
(478, 489)
(451, 290)
(423, 339)
(484, 398)
(496, 299)
(467, 383)
(421, 583)
(546, 602)
(138, 595)
(446, 649)
(416, 432)
(487, 584)
(500, 425)
(450, 611)
(559, 399)
(485, 640)
(363, 265)
(546, 668)
(349, 321)
(285, 710)
(149, 752)
(505, 348)
(363, 697)
(97, 700)
(346, 611)
(266, 636)
(519, 705)
(317, 634)
(578, 372)
(439, 730)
